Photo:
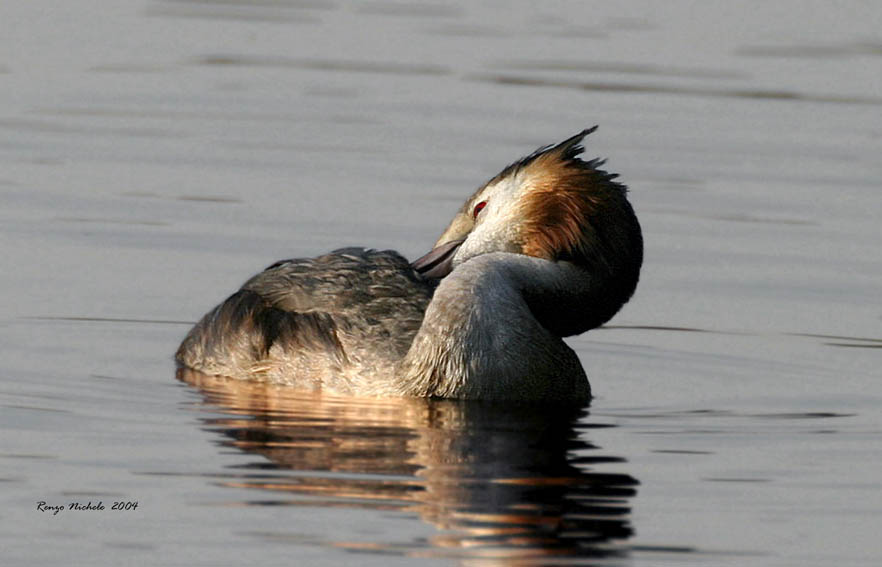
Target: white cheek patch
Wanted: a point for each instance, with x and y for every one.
(498, 226)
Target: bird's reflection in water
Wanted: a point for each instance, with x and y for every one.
(499, 482)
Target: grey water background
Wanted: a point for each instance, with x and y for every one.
(156, 153)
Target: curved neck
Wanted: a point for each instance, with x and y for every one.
(488, 333)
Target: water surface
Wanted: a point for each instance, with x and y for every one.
(155, 154)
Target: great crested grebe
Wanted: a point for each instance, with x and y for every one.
(548, 248)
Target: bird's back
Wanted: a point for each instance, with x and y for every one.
(339, 321)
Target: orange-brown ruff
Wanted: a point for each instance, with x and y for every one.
(548, 248)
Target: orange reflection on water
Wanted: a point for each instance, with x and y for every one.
(498, 481)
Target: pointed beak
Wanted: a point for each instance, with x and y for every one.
(439, 262)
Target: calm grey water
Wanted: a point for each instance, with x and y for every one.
(156, 153)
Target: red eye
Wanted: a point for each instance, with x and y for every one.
(478, 208)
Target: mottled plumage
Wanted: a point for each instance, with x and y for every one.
(315, 322)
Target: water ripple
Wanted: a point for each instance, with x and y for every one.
(345, 65)
(766, 94)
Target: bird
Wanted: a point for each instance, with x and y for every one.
(548, 248)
